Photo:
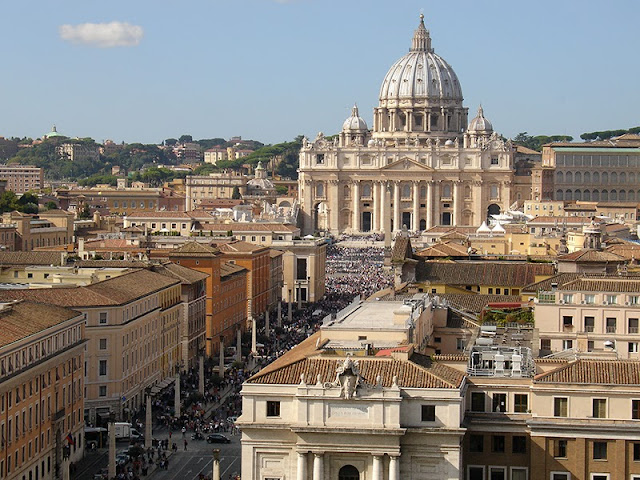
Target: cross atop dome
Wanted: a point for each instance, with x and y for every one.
(421, 39)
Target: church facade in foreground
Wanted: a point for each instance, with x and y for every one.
(423, 164)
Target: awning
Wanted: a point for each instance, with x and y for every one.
(162, 385)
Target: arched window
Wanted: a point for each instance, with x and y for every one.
(586, 195)
(567, 195)
(577, 194)
(622, 196)
(605, 178)
(587, 177)
(614, 178)
(348, 472)
(569, 177)
(595, 196)
(446, 190)
(623, 178)
(604, 196)
(560, 177)
(632, 178)
(559, 195)
(613, 196)
(346, 191)
(320, 190)
(406, 191)
(467, 191)
(631, 196)
(577, 178)
(423, 192)
(493, 192)
(423, 224)
(596, 177)
(366, 191)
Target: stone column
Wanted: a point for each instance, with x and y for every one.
(266, 323)
(479, 213)
(396, 206)
(376, 207)
(177, 396)
(334, 205)
(254, 325)
(457, 207)
(215, 474)
(279, 314)
(377, 467)
(318, 466)
(383, 207)
(239, 345)
(147, 423)
(436, 203)
(290, 306)
(201, 376)
(356, 206)
(221, 357)
(394, 470)
(302, 466)
(415, 220)
(429, 204)
(65, 469)
(112, 449)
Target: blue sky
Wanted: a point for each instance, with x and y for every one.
(270, 70)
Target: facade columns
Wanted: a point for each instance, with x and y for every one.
(384, 204)
(377, 467)
(334, 205)
(355, 223)
(436, 204)
(302, 466)
(415, 220)
(176, 397)
(221, 357)
(479, 214)
(376, 207)
(318, 466)
(429, 204)
(148, 422)
(394, 470)
(396, 205)
(457, 210)
(307, 204)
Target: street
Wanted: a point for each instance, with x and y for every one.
(198, 459)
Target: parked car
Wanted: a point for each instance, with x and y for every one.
(217, 438)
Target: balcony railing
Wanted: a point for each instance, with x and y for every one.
(633, 329)
(611, 329)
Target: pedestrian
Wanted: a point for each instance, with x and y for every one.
(185, 444)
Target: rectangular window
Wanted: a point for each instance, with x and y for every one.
(635, 409)
(273, 408)
(320, 159)
(103, 344)
(519, 473)
(633, 325)
(476, 443)
(497, 473)
(560, 405)
(499, 402)
(599, 408)
(599, 450)
(545, 344)
(567, 344)
(103, 318)
(560, 476)
(599, 476)
(428, 413)
(567, 321)
(589, 324)
(611, 299)
(560, 448)
(521, 403)
(497, 443)
(611, 325)
(301, 269)
(519, 444)
(589, 299)
(103, 390)
(103, 367)
(477, 402)
(567, 297)
(632, 347)
(475, 472)
(494, 160)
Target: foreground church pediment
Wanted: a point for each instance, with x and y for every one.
(407, 165)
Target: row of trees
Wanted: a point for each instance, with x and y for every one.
(607, 134)
(536, 142)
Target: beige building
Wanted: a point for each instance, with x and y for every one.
(303, 267)
(215, 154)
(41, 389)
(349, 403)
(53, 228)
(79, 152)
(133, 336)
(423, 163)
(22, 178)
(215, 185)
(544, 208)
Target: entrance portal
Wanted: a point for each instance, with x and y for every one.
(366, 221)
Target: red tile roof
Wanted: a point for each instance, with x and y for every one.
(594, 372)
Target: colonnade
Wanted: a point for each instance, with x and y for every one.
(318, 470)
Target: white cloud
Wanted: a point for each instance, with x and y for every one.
(103, 35)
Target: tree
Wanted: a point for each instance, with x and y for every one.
(170, 142)
(85, 212)
(27, 198)
(236, 193)
(51, 205)
(185, 139)
(8, 201)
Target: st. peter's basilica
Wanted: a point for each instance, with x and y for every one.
(423, 164)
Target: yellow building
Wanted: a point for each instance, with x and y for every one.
(41, 389)
(133, 336)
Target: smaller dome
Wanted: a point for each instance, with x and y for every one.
(355, 121)
(53, 133)
(448, 143)
(480, 124)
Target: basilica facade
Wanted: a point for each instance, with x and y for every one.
(423, 164)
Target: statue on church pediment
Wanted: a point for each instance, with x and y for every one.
(348, 378)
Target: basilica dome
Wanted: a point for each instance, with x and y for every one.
(421, 74)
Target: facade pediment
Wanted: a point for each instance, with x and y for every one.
(407, 164)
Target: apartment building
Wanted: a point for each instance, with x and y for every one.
(22, 178)
(212, 186)
(226, 292)
(41, 389)
(133, 336)
(79, 152)
(303, 268)
(43, 230)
